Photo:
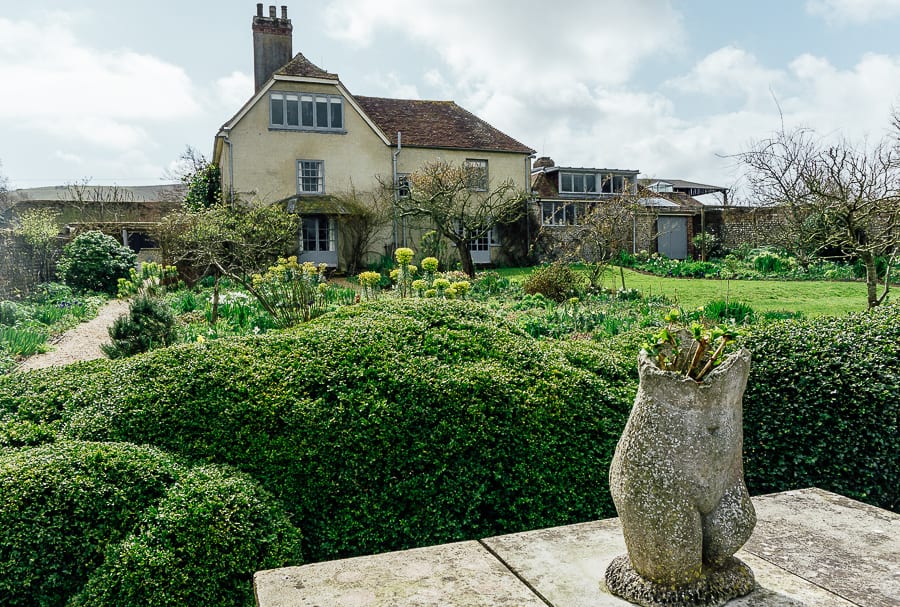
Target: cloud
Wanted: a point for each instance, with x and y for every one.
(853, 11)
(233, 90)
(69, 90)
(499, 42)
(731, 72)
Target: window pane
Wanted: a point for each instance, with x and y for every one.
(322, 112)
(566, 182)
(618, 184)
(337, 114)
(590, 183)
(578, 183)
(477, 174)
(293, 110)
(277, 109)
(306, 111)
(607, 184)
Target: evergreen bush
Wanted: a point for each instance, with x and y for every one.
(558, 281)
(149, 324)
(822, 406)
(94, 261)
(117, 524)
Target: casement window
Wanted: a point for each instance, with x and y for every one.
(560, 213)
(310, 177)
(304, 111)
(477, 174)
(318, 233)
(577, 183)
(403, 185)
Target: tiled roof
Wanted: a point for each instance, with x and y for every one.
(303, 67)
(436, 124)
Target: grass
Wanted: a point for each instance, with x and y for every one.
(812, 298)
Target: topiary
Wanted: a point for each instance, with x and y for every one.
(86, 523)
(557, 281)
(94, 261)
(150, 324)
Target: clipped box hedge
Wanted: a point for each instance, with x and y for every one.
(398, 424)
(822, 406)
(119, 524)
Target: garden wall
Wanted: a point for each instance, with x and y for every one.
(737, 226)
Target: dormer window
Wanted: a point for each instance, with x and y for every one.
(304, 111)
(577, 183)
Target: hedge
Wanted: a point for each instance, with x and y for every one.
(381, 427)
(822, 406)
(119, 524)
(398, 424)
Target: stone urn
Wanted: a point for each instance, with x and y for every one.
(677, 481)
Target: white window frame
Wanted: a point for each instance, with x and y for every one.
(305, 172)
(330, 240)
(559, 213)
(577, 175)
(281, 104)
(477, 183)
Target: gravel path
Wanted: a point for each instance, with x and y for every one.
(82, 342)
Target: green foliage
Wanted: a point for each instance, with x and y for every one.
(199, 545)
(822, 406)
(380, 426)
(204, 187)
(149, 324)
(291, 292)
(61, 505)
(94, 261)
(135, 525)
(720, 310)
(558, 281)
(690, 350)
(22, 342)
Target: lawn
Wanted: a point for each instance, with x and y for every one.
(812, 298)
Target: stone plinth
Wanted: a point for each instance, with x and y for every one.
(810, 548)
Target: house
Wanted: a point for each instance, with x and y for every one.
(305, 139)
(564, 196)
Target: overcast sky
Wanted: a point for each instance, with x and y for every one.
(113, 91)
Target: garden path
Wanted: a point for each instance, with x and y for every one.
(82, 342)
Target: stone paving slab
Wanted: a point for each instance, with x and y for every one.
(463, 574)
(810, 548)
(851, 548)
(566, 565)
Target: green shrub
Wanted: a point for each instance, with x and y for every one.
(61, 505)
(128, 525)
(200, 545)
(381, 426)
(9, 313)
(557, 281)
(149, 324)
(822, 405)
(94, 261)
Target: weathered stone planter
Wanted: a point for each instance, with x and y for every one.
(677, 481)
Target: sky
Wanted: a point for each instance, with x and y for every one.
(112, 92)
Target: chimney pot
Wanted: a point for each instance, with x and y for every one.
(259, 8)
(271, 12)
(283, 11)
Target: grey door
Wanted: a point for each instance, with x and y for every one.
(318, 240)
(671, 237)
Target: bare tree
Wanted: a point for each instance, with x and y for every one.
(598, 231)
(834, 196)
(99, 204)
(364, 214)
(461, 204)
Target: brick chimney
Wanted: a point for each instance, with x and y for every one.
(272, 43)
